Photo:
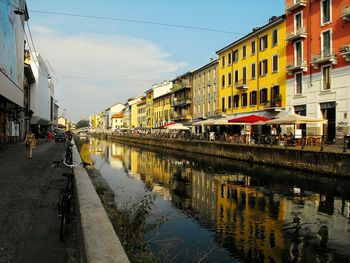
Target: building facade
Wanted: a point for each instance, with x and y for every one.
(251, 74)
(149, 108)
(204, 91)
(318, 55)
(182, 98)
(117, 121)
(12, 70)
(162, 110)
(141, 113)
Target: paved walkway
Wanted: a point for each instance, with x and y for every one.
(29, 224)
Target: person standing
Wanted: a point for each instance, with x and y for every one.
(30, 142)
(49, 135)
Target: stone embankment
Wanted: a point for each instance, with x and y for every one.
(330, 163)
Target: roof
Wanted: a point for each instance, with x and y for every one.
(211, 63)
(117, 115)
(272, 22)
(182, 76)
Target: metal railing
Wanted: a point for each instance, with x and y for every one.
(309, 142)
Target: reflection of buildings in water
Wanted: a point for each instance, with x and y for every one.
(162, 192)
(116, 156)
(203, 195)
(248, 220)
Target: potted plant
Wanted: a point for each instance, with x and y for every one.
(278, 100)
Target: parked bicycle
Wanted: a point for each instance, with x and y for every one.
(66, 196)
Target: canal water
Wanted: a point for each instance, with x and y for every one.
(219, 210)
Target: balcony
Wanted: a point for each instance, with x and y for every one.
(297, 65)
(324, 56)
(300, 33)
(184, 84)
(241, 85)
(181, 103)
(292, 5)
(275, 102)
(346, 13)
(345, 52)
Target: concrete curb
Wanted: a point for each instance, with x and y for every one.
(99, 240)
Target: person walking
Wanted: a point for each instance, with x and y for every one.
(30, 142)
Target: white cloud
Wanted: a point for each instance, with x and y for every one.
(109, 58)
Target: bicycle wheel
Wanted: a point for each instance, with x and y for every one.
(64, 210)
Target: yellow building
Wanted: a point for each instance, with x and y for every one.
(204, 92)
(162, 110)
(182, 98)
(149, 108)
(93, 121)
(252, 75)
(141, 113)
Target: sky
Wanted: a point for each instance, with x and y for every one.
(98, 62)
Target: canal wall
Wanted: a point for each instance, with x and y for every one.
(330, 163)
(97, 238)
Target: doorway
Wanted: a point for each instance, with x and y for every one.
(328, 110)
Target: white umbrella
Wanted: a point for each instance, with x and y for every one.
(177, 126)
(294, 119)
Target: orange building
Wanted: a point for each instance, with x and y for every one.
(318, 63)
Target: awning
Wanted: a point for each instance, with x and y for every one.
(35, 120)
(295, 119)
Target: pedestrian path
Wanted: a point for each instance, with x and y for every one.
(29, 223)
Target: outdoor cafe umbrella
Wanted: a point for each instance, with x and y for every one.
(250, 119)
(177, 126)
(294, 119)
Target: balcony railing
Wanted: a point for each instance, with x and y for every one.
(346, 13)
(327, 55)
(241, 84)
(298, 64)
(180, 103)
(345, 52)
(292, 5)
(181, 85)
(297, 34)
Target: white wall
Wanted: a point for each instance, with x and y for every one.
(39, 91)
(161, 89)
(313, 94)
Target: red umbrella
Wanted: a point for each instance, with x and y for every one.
(166, 125)
(250, 119)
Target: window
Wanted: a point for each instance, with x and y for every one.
(326, 43)
(223, 81)
(263, 42)
(275, 63)
(223, 61)
(244, 51)
(274, 37)
(229, 58)
(236, 101)
(235, 56)
(325, 11)
(326, 75)
(263, 96)
(299, 83)
(223, 104)
(253, 98)
(244, 100)
(298, 53)
(298, 21)
(230, 79)
(229, 102)
(244, 75)
(253, 71)
(253, 47)
(263, 67)
(236, 76)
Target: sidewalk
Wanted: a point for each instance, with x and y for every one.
(29, 223)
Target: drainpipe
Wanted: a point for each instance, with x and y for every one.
(310, 41)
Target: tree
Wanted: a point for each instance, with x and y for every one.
(82, 124)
